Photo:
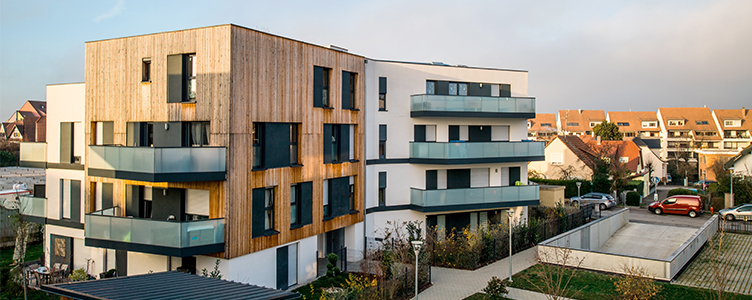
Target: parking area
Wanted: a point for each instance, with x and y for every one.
(647, 240)
(735, 263)
(643, 216)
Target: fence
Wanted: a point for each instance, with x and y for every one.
(489, 245)
(741, 225)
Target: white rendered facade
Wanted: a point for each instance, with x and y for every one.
(403, 174)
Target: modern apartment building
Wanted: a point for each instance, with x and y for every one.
(445, 145)
(684, 129)
(579, 122)
(641, 124)
(212, 143)
(542, 128)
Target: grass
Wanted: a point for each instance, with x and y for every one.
(11, 291)
(33, 252)
(481, 296)
(597, 286)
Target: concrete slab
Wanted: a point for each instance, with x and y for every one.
(647, 240)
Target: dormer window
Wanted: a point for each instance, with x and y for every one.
(592, 124)
(649, 124)
(529, 124)
(675, 122)
(545, 124)
(732, 123)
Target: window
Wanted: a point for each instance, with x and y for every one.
(622, 123)
(629, 134)
(701, 122)
(293, 144)
(321, 87)
(593, 124)
(382, 188)
(624, 159)
(257, 133)
(545, 124)
(146, 70)
(462, 89)
(675, 122)
(349, 80)
(430, 87)
(732, 123)
(334, 142)
(649, 124)
(352, 193)
(382, 93)
(338, 143)
(573, 124)
(269, 209)
(557, 159)
(327, 208)
(70, 191)
(382, 141)
(294, 204)
(196, 134)
(181, 78)
(452, 88)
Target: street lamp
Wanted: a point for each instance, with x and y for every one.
(704, 182)
(416, 248)
(510, 212)
(579, 184)
(731, 170)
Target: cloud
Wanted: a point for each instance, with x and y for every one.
(114, 11)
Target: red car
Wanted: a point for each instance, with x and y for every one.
(679, 204)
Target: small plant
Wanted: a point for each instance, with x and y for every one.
(635, 284)
(214, 274)
(331, 270)
(496, 288)
(78, 275)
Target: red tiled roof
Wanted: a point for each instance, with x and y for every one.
(581, 117)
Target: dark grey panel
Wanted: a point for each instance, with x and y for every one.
(108, 133)
(75, 200)
(60, 244)
(346, 90)
(133, 134)
(382, 85)
(175, 79)
(327, 143)
(431, 179)
(387, 161)
(282, 268)
(121, 262)
(419, 133)
(382, 180)
(514, 175)
(318, 77)
(344, 142)
(479, 133)
(107, 194)
(382, 132)
(458, 179)
(276, 145)
(157, 177)
(66, 142)
(257, 213)
(168, 136)
(505, 90)
(454, 133)
(471, 114)
(457, 221)
(306, 203)
(442, 87)
(168, 202)
(133, 201)
(339, 196)
(443, 161)
(479, 89)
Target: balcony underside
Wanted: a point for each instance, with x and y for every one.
(159, 177)
(153, 249)
(471, 114)
(473, 206)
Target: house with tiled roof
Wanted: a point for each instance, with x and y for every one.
(29, 123)
(736, 126)
(579, 122)
(650, 151)
(685, 129)
(542, 128)
(570, 156)
(642, 124)
(741, 163)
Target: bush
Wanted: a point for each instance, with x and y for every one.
(78, 275)
(680, 191)
(496, 288)
(633, 198)
(331, 270)
(570, 185)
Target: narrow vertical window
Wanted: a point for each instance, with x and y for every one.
(295, 204)
(325, 88)
(453, 88)
(269, 209)
(352, 193)
(191, 76)
(382, 93)
(382, 188)
(430, 87)
(462, 89)
(382, 141)
(327, 210)
(258, 140)
(353, 81)
(146, 70)
(321, 86)
(293, 144)
(334, 139)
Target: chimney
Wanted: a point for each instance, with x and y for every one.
(580, 111)
(598, 140)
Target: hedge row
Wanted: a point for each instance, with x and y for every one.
(570, 185)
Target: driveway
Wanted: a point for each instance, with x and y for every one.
(643, 215)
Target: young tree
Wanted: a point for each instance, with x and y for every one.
(608, 131)
(552, 274)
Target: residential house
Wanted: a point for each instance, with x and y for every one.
(28, 123)
(462, 162)
(579, 122)
(706, 159)
(741, 163)
(736, 126)
(569, 157)
(650, 151)
(641, 124)
(542, 128)
(684, 129)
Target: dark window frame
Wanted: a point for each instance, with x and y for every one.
(295, 201)
(257, 140)
(269, 224)
(294, 144)
(353, 83)
(382, 141)
(352, 194)
(146, 70)
(190, 76)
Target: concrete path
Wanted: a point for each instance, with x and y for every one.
(736, 261)
(458, 284)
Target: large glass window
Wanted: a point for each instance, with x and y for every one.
(430, 87)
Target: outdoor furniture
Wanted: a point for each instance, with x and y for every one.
(60, 274)
(42, 276)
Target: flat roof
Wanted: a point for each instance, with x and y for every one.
(165, 285)
(444, 65)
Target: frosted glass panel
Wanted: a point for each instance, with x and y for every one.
(152, 232)
(158, 160)
(462, 150)
(461, 103)
(432, 198)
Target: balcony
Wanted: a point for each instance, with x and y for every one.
(473, 198)
(34, 209)
(170, 238)
(158, 164)
(474, 153)
(471, 106)
(33, 155)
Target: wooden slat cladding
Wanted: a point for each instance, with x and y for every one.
(243, 76)
(273, 82)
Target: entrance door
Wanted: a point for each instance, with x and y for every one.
(335, 240)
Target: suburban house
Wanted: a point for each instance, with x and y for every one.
(27, 124)
(641, 124)
(684, 129)
(650, 151)
(465, 160)
(579, 122)
(736, 126)
(741, 163)
(542, 128)
(706, 158)
(570, 157)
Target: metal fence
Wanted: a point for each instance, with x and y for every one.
(738, 226)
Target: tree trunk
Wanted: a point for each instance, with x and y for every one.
(22, 237)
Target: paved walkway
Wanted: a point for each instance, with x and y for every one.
(458, 284)
(737, 265)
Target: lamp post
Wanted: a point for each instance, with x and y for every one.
(579, 184)
(731, 176)
(704, 182)
(416, 248)
(510, 212)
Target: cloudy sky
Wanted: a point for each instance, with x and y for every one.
(610, 55)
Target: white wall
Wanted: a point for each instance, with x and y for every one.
(65, 103)
(80, 252)
(743, 166)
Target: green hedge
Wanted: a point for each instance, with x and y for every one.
(681, 191)
(570, 185)
(635, 184)
(633, 198)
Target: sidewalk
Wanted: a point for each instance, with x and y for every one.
(458, 284)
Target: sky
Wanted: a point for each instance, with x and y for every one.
(605, 55)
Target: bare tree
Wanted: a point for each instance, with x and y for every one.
(719, 267)
(552, 274)
(635, 283)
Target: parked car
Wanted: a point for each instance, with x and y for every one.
(740, 212)
(605, 201)
(704, 183)
(679, 204)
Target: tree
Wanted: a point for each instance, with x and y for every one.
(608, 131)
(552, 274)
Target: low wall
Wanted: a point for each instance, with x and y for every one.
(585, 241)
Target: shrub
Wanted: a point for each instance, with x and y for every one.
(635, 283)
(680, 191)
(78, 275)
(496, 288)
(331, 270)
(633, 198)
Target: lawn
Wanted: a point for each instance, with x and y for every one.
(7, 291)
(597, 286)
(480, 296)
(33, 251)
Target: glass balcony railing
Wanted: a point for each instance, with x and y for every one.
(102, 225)
(484, 152)
(473, 196)
(132, 162)
(33, 154)
(470, 104)
(33, 206)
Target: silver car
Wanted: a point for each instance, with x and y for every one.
(605, 201)
(742, 212)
